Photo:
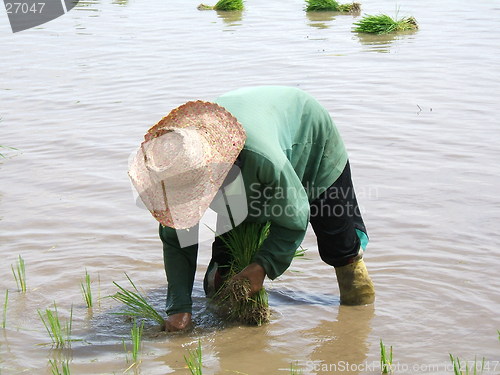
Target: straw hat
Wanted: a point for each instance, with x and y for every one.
(184, 160)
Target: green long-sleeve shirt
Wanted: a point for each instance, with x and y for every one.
(293, 153)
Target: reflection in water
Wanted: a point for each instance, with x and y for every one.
(120, 2)
(318, 19)
(231, 18)
(382, 42)
(342, 343)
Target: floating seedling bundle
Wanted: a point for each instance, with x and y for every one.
(224, 5)
(233, 297)
(332, 6)
(384, 24)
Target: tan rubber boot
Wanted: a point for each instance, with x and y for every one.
(356, 287)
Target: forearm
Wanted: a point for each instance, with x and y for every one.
(180, 267)
(278, 250)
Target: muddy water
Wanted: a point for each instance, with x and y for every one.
(419, 116)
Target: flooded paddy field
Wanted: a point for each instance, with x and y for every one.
(418, 113)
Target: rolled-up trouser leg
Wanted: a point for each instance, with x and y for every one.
(340, 231)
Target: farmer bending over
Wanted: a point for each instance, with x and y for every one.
(259, 154)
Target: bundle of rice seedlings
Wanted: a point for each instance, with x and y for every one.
(233, 298)
(137, 305)
(350, 8)
(331, 5)
(224, 5)
(384, 24)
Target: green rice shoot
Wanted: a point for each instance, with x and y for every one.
(458, 368)
(4, 316)
(59, 333)
(294, 370)
(136, 339)
(137, 305)
(6, 148)
(384, 24)
(54, 367)
(194, 360)
(331, 6)
(87, 290)
(19, 273)
(224, 6)
(243, 242)
(136, 335)
(385, 359)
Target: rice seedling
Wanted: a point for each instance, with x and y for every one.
(243, 242)
(59, 333)
(87, 291)
(294, 370)
(4, 317)
(136, 338)
(55, 367)
(136, 335)
(385, 359)
(194, 360)
(224, 5)
(6, 148)
(384, 24)
(19, 273)
(457, 366)
(137, 305)
(332, 6)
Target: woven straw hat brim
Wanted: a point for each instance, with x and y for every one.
(183, 207)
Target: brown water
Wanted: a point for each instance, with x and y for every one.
(418, 113)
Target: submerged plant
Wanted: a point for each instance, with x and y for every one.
(19, 273)
(87, 291)
(384, 24)
(233, 297)
(137, 305)
(4, 317)
(457, 366)
(59, 333)
(194, 360)
(55, 368)
(224, 5)
(385, 359)
(331, 5)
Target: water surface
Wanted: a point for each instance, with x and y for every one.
(418, 113)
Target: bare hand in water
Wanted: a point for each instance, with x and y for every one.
(255, 273)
